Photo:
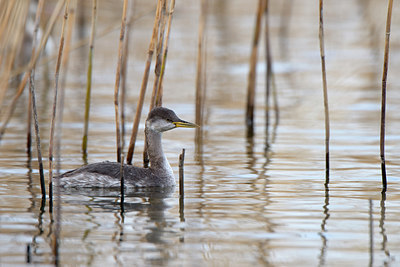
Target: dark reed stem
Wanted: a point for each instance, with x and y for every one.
(181, 186)
(89, 79)
(325, 89)
(122, 179)
(144, 83)
(383, 104)
(32, 103)
(32, 62)
(54, 109)
(181, 174)
(268, 77)
(118, 78)
(371, 235)
(251, 87)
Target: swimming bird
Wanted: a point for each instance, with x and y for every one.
(108, 174)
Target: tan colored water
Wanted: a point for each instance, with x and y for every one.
(244, 206)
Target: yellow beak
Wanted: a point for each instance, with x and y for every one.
(185, 124)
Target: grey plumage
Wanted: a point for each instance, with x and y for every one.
(108, 174)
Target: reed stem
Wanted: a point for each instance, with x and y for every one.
(144, 83)
(251, 87)
(89, 79)
(118, 78)
(383, 104)
(325, 89)
(181, 174)
(54, 110)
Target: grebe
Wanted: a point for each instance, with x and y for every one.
(107, 174)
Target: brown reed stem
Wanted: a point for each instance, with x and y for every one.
(159, 49)
(325, 89)
(118, 78)
(32, 103)
(50, 26)
(124, 72)
(144, 83)
(54, 110)
(251, 87)
(383, 104)
(89, 79)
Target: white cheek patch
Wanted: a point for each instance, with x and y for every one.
(160, 125)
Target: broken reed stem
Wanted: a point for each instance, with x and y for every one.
(325, 89)
(32, 103)
(122, 179)
(251, 87)
(54, 110)
(144, 83)
(118, 78)
(181, 174)
(383, 104)
(32, 62)
(89, 79)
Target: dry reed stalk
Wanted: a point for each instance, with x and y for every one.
(54, 109)
(251, 88)
(64, 66)
(200, 75)
(165, 53)
(118, 78)
(124, 72)
(144, 83)
(32, 104)
(33, 61)
(383, 104)
(89, 79)
(325, 89)
(159, 49)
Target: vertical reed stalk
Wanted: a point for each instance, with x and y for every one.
(159, 50)
(124, 72)
(118, 78)
(89, 79)
(181, 174)
(33, 61)
(144, 83)
(251, 87)
(383, 104)
(201, 77)
(32, 102)
(165, 53)
(325, 89)
(54, 110)
(268, 78)
(122, 179)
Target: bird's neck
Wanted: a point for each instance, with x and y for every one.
(155, 151)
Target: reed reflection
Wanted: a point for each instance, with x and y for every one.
(324, 239)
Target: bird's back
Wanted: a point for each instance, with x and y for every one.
(108, 174)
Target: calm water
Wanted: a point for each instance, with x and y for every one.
(258, 201)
